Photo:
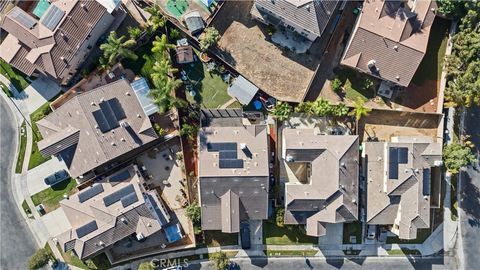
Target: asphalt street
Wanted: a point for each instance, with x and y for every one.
(470, 196)
(372, 263)
(16, 240)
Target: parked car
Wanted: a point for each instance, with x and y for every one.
(56, 177)
(40, 209)
(371, 232)
(245, 235)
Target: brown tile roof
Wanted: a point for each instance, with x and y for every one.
(52, 52)
(401, 198)
(327, 192)
(393, 37)
(94, 147)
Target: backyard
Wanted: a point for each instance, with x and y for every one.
(51, 197)
(287, 235)
(352, 229)
(356, 85)
(209, 86)
(23, 145)
(15, 76)
(36, 158)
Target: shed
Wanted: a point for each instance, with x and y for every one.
(194, 22)
(184, 54)
(142, 90)
(242, 90)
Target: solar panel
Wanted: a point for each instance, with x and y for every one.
(228, 154)
(426, 182)
(214, 147)
(90, 193)
(403, 155)
(393, 163)
(101, 121)
(23, 18)
(119, 177)
(231, 163)
(52, 17)
(118, 195)
(109, 114)
(129, 199)
(86, 229)
(117, 108)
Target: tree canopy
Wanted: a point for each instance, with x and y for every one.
(193, 212)
(456, 156)
(220, 260)
(116, 47)
(209, 38)
(359, 109)
(282, 111)
(38, 259)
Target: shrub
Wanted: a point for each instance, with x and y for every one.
(193, 212)
(174, 33)
(336, 85)
(220, 260)
(38, 259)
(280, 217)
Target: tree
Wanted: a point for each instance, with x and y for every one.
(451, 8)
(38, 259)
(134, 32)
(193, 212)
(161, 70)
(174, 34)
(161, 46)
(340, 110)
(359, 109)
(157, 19)
(220, 260)
(189, 131)
(456, 156)
(162, 94)
(280, 217)
(281, 111)
(116, 47)
(209, 38)
(336, 85)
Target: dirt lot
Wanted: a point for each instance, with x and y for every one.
(387, 124)
(245, 45)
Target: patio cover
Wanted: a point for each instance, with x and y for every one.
(142, 90)
(194, 22)
(242, 90)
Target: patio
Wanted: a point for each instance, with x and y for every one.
(292, 41)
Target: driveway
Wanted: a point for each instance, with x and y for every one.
(36, 175)
(334, 236)
(56, 222)
(40, 91)
(469, 197)
(16, 240)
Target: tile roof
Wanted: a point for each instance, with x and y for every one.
(390, 39)
(407, 189)
(92, 147)
(312, 15)
(327, 191)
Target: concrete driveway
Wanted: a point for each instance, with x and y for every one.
(36, 175)
(56, 222)
(334, 235)
(38, 92)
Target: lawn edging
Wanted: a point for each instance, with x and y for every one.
(22, 147)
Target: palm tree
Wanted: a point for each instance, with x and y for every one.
(359, 109)
(157, 19)
(162, 94)
(161, 70)
(161, 45)
(116, 47)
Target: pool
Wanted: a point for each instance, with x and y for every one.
(41, 7)
(173, 233)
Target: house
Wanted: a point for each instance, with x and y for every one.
(390, 39)
(400, 175)
(118, 207)
(321, 178)
(97, 130)
(57, 43)
(308, 18)
(233, 174)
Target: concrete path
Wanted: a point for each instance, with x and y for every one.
(35, 176)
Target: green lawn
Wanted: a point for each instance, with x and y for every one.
(217, 238)
(51, 196)
(235, 105)
(36, 158)
(211, 90)
(422, 235)
(6, 90)
(353, 84)
(100, 262)
(26, 208)
(21, 151)
(403, 252)
(290, 253)
(288, 235)
(15, 76)
(437, 44)
(352, 229)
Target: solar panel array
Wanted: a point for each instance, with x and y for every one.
(23, 18)
(120, 177)
(90, 192)
(110, 112)
(227, 154)
(129, 199)
(118, 195)
(426, 182)
(396, 156)
(52, 17)
(86, 229)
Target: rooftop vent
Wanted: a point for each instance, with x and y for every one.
(127, 93)
(289, 158)
(395, 48)
(398, 78)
